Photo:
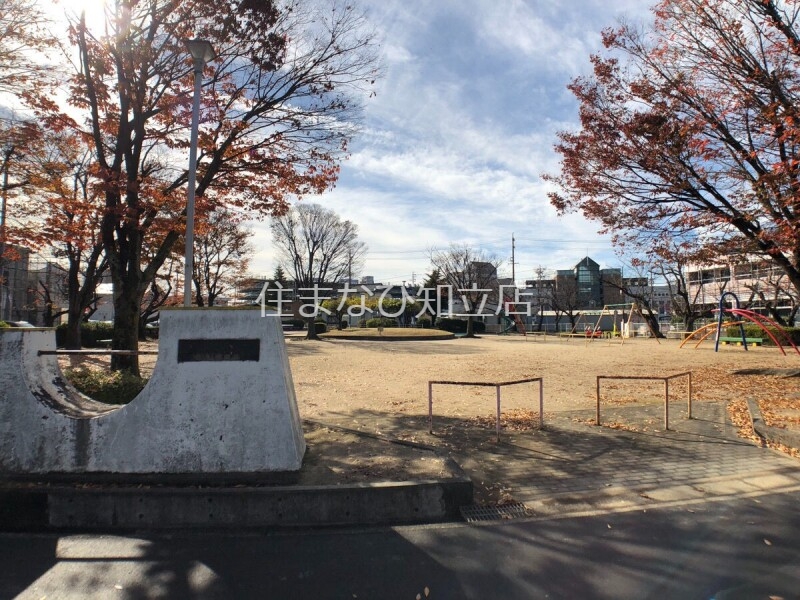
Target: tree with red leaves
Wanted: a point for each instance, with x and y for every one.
(24, 30)
(279, 104)
(690, 133)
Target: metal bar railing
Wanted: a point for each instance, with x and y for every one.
(666, 380)
(497, 386)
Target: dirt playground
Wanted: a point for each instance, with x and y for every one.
(356, 395)
(336, 379)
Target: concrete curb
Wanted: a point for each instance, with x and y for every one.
(387, 338)
(107, 502)
(61, 507)
(769, 433)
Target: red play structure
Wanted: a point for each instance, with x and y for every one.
(748, 315)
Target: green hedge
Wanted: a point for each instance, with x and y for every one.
(754, 331)
(4, 324)
(459, 325)
(381, 322)
(320, 327)
(110, 387)
(91, 333)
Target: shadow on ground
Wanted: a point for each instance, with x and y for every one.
(571, 453)
(646, 555)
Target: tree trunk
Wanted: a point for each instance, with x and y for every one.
(311, 334)
(127, 300)
(81, 296)
(470, 327)
(72, 340)
(142, 330)
(74, 308)
(651, 319)
(130, 284)
(776, 316)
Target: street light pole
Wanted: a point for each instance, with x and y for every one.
(8, 152)
(202, 52)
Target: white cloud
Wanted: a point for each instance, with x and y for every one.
(463, 126)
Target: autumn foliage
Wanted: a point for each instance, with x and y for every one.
(690, 133)
(278, 107)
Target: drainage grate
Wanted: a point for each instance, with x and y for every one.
(476, 513)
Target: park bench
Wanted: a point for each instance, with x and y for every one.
(738, 340)
(681, 335)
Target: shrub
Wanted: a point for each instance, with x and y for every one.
(110, 387)
(425, 322)
(381, 322)
(754, 331)
(343, 324)
(451, 325)
(3, 324)
(297, 323)
(459, 325)
(320, 327)
(91, 333)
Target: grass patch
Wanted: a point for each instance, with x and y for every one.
(389, 334)
(109, 387)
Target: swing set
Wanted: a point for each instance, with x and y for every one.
(616, 312)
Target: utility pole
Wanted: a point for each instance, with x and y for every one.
(513, 261)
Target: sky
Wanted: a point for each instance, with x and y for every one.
(463, 124)
(460, 129)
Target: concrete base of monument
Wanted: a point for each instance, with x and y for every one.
(213, 440)
(381, 482)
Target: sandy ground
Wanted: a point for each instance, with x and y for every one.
(335, 379)
(338, 380)
(379, 390)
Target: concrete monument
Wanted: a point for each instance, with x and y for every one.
(220, 401)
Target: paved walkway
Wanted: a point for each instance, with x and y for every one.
(574, 467)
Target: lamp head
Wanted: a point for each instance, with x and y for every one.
(201, 50)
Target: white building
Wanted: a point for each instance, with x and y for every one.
(755, 283)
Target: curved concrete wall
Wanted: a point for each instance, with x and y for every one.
(205, 413)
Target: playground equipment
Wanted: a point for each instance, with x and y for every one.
(702, 333)
(749, 316)
(509, 324)
(617, 313)
(511, 318)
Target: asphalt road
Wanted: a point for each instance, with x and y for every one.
(743, 548)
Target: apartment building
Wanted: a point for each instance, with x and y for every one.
(755, 282)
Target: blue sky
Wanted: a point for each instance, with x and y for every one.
(462, 127)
